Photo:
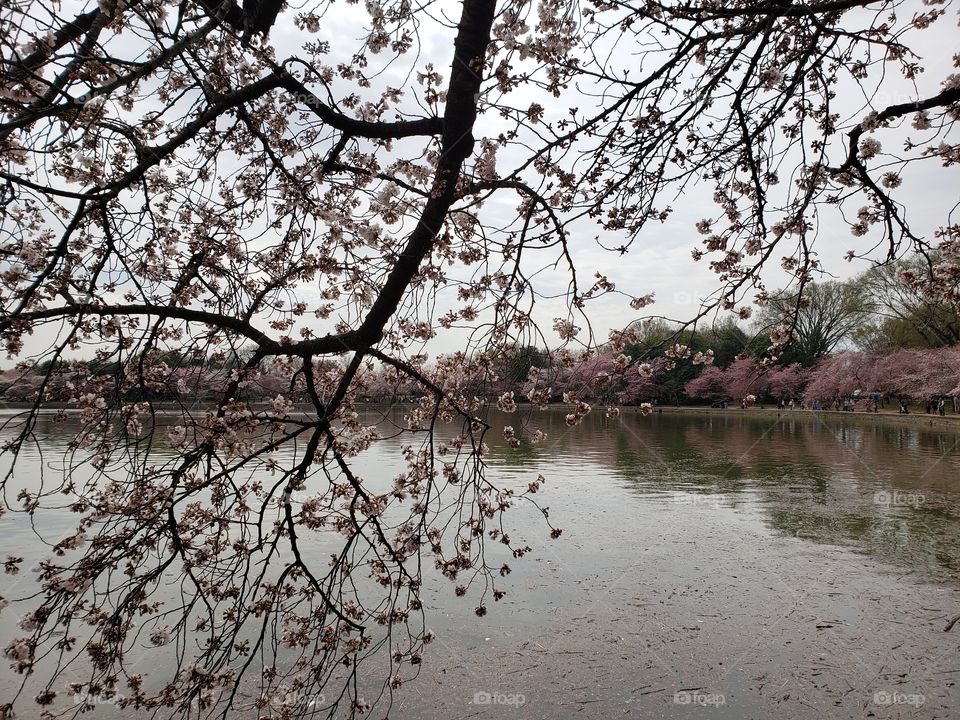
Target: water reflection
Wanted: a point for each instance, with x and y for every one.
(641, 501)
(886, 490)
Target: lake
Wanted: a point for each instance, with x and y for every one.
(712, 565)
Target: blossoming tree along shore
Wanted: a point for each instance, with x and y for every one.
(202, 176)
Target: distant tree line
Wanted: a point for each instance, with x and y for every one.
(871, 335)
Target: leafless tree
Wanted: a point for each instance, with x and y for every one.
(825, 317)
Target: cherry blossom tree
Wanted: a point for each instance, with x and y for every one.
(840, 376)
(744, 377)
(19, 385)
(248, 185)
(785, 382)
(918, 373)
(594, 377)
(708, 385)
(647, 383)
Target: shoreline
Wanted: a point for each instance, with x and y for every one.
(947, 422)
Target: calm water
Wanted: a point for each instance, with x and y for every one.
(715, 565)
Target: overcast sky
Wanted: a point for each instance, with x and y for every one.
(659, 260)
